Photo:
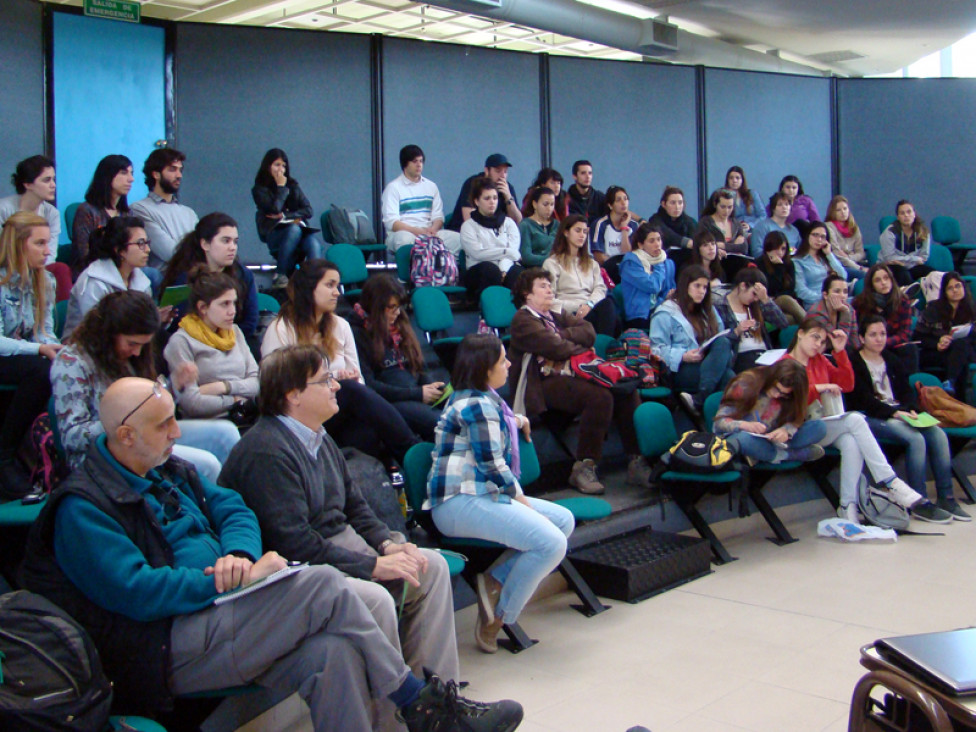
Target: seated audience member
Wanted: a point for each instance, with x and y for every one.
(845, 238)
(105, 199)
(293, 476)
(115, 340)
(27, 341)
(610, 235)
(412, 205)
(537, 231)
(748, 204)
(905, 245)
(167, 220)
(747, 310)
(283, 216)
(802, 207)
(706, 254)
(849, 433)
(226, 372)
(812, 262)
(940, 349)
(717, 217)
(584, 199)
(577, 282)
(119, 250)
(646, 277)
(136, 546)
(474, 489)
(490, 241)
(763, 413)
(777, 221)
(883, 394)
(34, 181)
(496, 170)
(679, 327)
(677, 227)
(777, 265)
(390, 356)
(213, 243)
(553, 180)
(834, 312)
(366, 420)
(542, 341)
(882, 296)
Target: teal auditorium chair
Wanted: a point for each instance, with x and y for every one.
(959, 437)
(60, 315)
(64, 251)
(352, 266)
(497, 308)
(786, 335)
(872, 251)
(268, 303)
(368, 249)
(946, 231)
(655, 436)
(884, 222)
(940, 258)
(432, 310)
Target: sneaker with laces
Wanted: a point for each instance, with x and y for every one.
(850, 513)
(928, 511)
(638, 472)
(901, 493)
(584, 479)
(486, 629)
(949, 505)
(440, 708)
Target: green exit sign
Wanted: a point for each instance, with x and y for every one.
(113, 10)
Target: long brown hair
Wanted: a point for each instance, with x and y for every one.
(701, 238)
(804, 248)
(299, 311)
(376, 295)
(563, 252)
(701, 315)
(757, 381)
(773, 241)
(125, 313)
(189, 253)
(16, 231)
(832, 213)
(865, 303)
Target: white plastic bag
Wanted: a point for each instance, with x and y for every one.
(838, 528)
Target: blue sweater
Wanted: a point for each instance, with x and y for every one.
(102, 562)
(762, 228)
(643, 292)
(810, 275)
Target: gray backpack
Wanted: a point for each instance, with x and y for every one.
(878, 509)
(349, 226)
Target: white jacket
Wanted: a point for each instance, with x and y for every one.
(97, 280)
(481, 244)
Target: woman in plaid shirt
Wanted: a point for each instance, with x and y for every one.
(474, 489)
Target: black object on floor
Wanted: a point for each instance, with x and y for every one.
(642, 563)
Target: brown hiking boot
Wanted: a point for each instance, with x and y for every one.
(487, 590)
(583, 478)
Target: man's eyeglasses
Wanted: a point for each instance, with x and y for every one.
(159, 386)
(329, 378)
(141, 243)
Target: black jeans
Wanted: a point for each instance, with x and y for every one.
(603, 317)
(487, 274)
(368, 422)
(32, 377)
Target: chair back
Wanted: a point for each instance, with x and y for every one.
(267, 303)
(69, 219)
(497, 307)
(529, 459)
(946, 231)
(710, 408)
(432, 309)
(926, 379)
(884, 222)
(350, 261)
(786, 335)
(416, 469)
(655, 429)
(60, 315)
(403, 263)
(617, 295)
(872, 251)
(602, 344)
(858, 287)
(940, 258)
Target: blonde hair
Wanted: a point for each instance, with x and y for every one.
(16, 231)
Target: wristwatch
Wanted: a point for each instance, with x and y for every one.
(383, 545)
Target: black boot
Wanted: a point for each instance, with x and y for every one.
(440, 708)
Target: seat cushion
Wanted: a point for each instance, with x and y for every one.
(586, 508)
(726, 476)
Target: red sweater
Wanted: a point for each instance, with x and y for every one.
(821, 371)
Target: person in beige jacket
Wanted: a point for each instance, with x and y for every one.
(577, 279)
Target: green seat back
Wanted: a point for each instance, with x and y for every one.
(268, 303)
(60, 314)
(69, 219)
(403, 263)
(940, 258)
(970, 280)
(786, 335)
(872, 251)
(884, 222)
(602, 344)
(432, 309)
(140, 724)
(350, 261)
(926, 379)
(15, 513)
(497, 307)
(655, 429)
(946, 231)
(416, 469)
(858, 287)
(711, 408)
(617, 294)
(655, 393)
(64, 254)
(529, 459)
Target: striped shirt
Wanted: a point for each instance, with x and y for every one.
(472, 451)
(415, 204)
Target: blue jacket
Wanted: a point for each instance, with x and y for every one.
(644, 292)
(672, 334)
(762, 228)
(810, 276)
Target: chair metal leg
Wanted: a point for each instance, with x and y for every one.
(820, 478)
(698, 521)
(590, 604)
(517, 641)
(960, 475)
(783, 535)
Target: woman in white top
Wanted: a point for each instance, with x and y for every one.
(577, 282)
(490, 240)
(365, 420)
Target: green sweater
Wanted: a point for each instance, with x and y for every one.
(536, 241)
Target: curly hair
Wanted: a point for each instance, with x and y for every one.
(124, 313)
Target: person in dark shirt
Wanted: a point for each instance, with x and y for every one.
(496, 169)
(584, 199)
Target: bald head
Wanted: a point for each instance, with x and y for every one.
(146, 439)
(121, 398)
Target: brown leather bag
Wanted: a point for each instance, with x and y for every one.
(949, 411)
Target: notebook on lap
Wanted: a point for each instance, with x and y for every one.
(945, 660)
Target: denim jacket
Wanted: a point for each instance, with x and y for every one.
(17, 303)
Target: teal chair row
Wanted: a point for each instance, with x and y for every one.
(884, 222)
(432, 311)
(946, 231)
(403, 271)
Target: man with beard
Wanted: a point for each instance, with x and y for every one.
(167, 220)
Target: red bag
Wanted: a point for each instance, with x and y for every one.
(615, 375)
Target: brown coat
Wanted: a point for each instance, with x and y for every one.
(530, 335)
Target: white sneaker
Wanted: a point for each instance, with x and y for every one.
(850, 513)
(902, 494)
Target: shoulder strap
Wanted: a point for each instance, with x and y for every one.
(518, 404)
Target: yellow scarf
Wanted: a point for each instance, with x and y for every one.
(222, 340)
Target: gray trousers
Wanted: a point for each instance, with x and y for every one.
(309, 633)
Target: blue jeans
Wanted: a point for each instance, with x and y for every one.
(765, 451)
(710, 374)
(537, 539)
(931, 441)
(290, 244)
(206, 443)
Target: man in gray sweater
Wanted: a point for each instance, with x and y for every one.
(294, 478)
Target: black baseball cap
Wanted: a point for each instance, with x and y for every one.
(496, 160)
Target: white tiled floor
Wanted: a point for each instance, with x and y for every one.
(769, 642)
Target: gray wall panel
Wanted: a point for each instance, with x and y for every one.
(241, 91)
(635, 122)
(772, 125)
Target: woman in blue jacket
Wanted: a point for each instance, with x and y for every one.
(813, 261)
(646, 277)
(679, 327)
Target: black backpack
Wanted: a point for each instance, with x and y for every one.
(50, 676)
(700, 452)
